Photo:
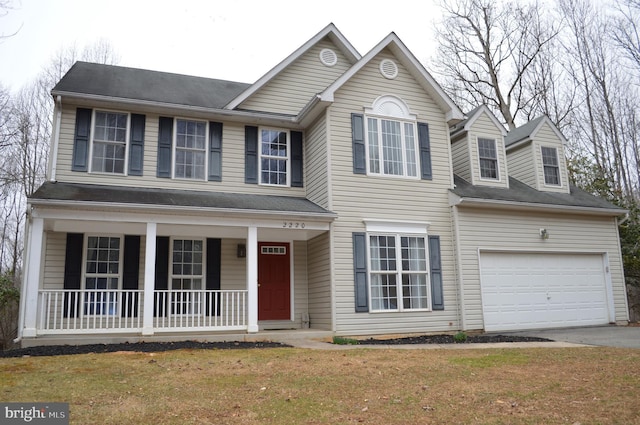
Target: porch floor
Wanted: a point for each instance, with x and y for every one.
(297, 336)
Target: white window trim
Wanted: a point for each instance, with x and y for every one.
(83, 284)
(174, 147)
(495, 145)
(403, 116)
(398, 230)
(126, 142)
(416, 145)
(287, 158)
(199, 304)
(544, 179)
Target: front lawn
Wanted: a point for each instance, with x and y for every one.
(297, 386)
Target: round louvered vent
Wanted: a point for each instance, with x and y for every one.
(389, 69)
(328, 57)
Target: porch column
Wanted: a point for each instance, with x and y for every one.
(252, 278)
(32, 279)
(149, 279)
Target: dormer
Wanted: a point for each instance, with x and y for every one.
(478, 150)
(535, 153)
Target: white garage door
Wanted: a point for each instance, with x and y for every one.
(531, 291)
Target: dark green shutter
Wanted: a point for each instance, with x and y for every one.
(296, 159)
(215, 151)
(425, 151)
(360, 272)
(437, 296)
(72, 272)
(161, 300)
(357, 137)
(251, 154)
(214, 254)
(136, 145)
(130, 275)
(80, 158)
(165, 141)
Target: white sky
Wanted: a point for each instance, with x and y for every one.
(238, 40)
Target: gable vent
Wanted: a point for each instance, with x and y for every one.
(328, 57)
(389, 69)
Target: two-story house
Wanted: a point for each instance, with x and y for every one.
(340, 192)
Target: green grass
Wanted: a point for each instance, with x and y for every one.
(363, 386)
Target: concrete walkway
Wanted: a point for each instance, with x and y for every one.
(604, 336)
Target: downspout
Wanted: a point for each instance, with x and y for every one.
(25, 275)
(461, 304)
(55, 139)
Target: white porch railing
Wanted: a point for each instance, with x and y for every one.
(112, 311)
(200, 310)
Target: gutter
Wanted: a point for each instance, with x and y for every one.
(456, 200)
(232, 115)
(328, 217)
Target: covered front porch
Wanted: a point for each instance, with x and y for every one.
(145, 270)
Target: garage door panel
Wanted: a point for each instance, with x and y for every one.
(528, 291)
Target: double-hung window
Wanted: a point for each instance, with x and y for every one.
(550, 165)
(398, 272)
(488, 155)
(190, 149)
(102, 273)
(392, 147)
(109, 143)
(187, 276)
(274, 157)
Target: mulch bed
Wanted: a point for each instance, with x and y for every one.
(449, 339)
(145, 347)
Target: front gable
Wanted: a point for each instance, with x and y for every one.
(292, 84)
(291, 89)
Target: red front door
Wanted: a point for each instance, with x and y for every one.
(274, 283)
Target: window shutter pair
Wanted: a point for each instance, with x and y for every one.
(73, 272)
(360, 272)
(359, 150)
(80, 156)
(251, 156)
(165, 146)
(212, 278)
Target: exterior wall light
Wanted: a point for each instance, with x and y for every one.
(544, 234)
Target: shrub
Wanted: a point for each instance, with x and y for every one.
(460, 337)
(340, 340)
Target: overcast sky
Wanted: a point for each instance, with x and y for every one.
(238, 40)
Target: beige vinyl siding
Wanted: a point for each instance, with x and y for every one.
(233, 270)
(295, 86)
(460, 158)
(511, 230)
(546, 137)
(316, 178)
(319, 271)
(356, 197)
(520, 163)
(483, 127)
(232, 163)
(55, 247)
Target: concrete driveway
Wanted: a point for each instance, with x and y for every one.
(607, 336)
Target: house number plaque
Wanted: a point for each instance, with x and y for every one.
(293, 225)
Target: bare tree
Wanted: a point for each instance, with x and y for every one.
(486, 51)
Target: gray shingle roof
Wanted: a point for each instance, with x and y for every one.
(142, 84)
(520, 192)
(50, 191)
(522, 132)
